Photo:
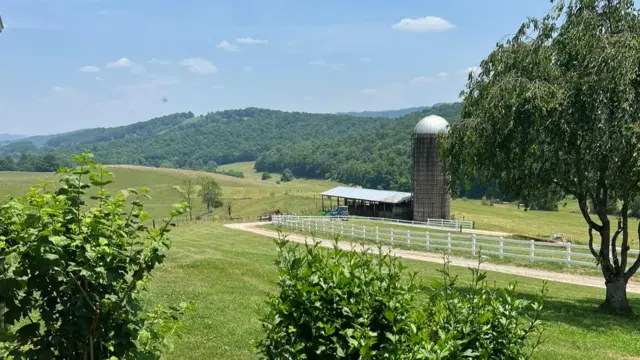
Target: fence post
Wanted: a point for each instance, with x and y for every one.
(316, 223)
(353, 236)
(391, 235)
(568, 260)
(341, 229)
(501, 248)
(532, 251)
(449, 241)
(364, 232)
(473, 245)
(427, 241)
(377, 236)
(332, 233)
(324, 227)
(409, 237)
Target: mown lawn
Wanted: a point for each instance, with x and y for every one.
(228, 274)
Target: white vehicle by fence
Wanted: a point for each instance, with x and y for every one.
(441, 240)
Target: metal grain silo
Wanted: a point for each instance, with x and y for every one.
(431, 199)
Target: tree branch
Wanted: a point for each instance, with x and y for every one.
(593, 251)
(632, 270)
(582, 204)
(614, 250)
(624, 247)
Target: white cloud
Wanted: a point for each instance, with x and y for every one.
(156, 61)
(199, 65)
(99, 79)
(421, 80)
(365, 60)
(423, 24)
(368, 91)
(124, 63)
(443, 74)
(218, 87)
(307, 98)
(248, 68)
(249, 40)
(90, 69)
(121, 63)
(225, 45)
(325, 64)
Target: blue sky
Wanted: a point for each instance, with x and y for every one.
(70, 64)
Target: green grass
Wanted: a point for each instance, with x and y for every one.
(568, 221)
(252, 196)
(228, 274)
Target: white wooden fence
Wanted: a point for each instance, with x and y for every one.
(439, 240)
(440, 223)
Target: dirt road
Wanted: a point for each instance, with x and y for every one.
(456, 261)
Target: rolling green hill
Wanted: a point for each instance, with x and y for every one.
(372, 152)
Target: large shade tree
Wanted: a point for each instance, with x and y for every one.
(556, 107)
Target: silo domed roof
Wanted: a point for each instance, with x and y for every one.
(431, 124)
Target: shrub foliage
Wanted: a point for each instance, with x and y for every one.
(337, 304)
(73, 269)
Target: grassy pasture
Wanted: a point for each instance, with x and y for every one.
(228, 274)
(251, 196)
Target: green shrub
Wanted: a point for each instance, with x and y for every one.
(334, 304)
(266, 176)
(286, 176)
(278, 182)
(72, 275)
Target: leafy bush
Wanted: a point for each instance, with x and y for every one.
(287, 176)
(72, 275)
(333, 304)
(266, 176)
(278, 182)
(485, 201)
(230, 172)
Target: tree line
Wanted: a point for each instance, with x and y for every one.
(31, 162)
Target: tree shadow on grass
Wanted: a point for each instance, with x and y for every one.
(581, 313)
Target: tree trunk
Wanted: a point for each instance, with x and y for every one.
(616, 301)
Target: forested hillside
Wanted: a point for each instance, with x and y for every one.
(185, 141)
(371, 152)
(378, 155)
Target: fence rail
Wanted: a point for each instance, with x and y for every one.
(534, 251)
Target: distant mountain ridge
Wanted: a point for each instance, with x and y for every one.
(390, 113)
(11, 137)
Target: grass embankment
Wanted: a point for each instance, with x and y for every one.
(228, 274)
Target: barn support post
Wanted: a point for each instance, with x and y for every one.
(322, 203)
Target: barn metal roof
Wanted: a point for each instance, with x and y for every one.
(383, 196)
